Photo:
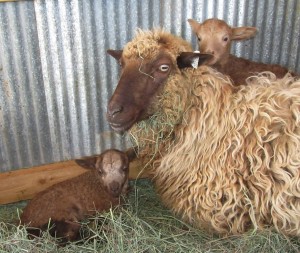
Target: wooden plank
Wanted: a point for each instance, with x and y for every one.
(26, 183)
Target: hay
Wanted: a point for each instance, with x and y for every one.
(144, 225)
(156, 133)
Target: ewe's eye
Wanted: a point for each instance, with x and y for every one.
(164, 67)
(225, 38)
(199, 39)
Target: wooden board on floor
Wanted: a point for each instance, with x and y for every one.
(25, 183)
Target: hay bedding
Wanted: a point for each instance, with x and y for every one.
(144, 225)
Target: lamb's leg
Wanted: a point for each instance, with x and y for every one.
(65, 230)
(68, 230)
(33, 232)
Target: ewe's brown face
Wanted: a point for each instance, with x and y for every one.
(113, 167)
(215, 37)
(140, 82)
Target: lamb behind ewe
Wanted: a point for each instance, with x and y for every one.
(68, 202)
(224, 158)
(215, 36)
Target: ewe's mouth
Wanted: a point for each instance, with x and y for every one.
(122, 127)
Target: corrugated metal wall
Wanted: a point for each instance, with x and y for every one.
(56, 78)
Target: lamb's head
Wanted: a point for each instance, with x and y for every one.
(215, 37)
(113, 168)
(147, 62)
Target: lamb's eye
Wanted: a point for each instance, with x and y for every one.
(225, 38)
(164, 67)
(199, 39)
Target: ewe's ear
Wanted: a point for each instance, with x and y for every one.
(117, 54)
(87, 163)
(192, 59)
(243, 33)
(194, 25)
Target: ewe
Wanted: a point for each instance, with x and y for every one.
(223, 158)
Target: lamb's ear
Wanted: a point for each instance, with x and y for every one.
(243, 33)
(194, 25)
(192, 59)
(117, 54)
(87, 163)
(131, 154)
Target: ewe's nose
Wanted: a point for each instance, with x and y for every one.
(113, 110)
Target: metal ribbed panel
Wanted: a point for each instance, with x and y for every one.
(56, 78)
(21, 92)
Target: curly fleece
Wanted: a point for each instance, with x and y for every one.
(147, 44)
(227, 158)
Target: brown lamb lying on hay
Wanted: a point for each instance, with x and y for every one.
(224, 158)
(215, 37)
(63, 205)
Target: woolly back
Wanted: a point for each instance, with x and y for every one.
(227, 158)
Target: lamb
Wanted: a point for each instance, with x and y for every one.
(70, 201)
(223, 158)
(215, 36)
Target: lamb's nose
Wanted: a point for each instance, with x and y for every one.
(114, 188)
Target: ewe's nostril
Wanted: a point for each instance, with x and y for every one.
(116, 110)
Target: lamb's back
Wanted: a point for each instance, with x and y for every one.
(69, 200)
(239, 69)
